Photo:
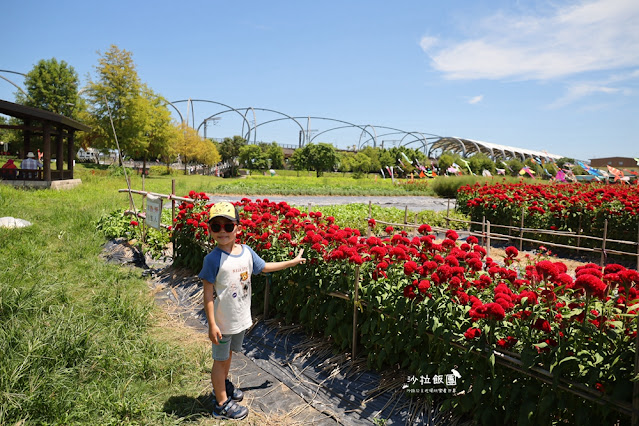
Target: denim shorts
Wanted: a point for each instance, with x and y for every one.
(228, 343)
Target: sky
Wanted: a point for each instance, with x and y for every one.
(557, 76)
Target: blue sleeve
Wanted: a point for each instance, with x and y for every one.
(211, 266)
(258, 262)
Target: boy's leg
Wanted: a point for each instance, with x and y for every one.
(219, 372)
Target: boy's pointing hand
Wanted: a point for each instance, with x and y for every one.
(299, 259)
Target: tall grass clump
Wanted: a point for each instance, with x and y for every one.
(76, 334)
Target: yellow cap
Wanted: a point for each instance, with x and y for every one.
(224, 209)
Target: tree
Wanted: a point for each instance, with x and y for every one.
(53, 86)
(117, 89)
(187, 144)
(208, 154)
(445, 161)
(253, 157)
(480, 162)
(362, 164)
(299, 160)
(321, 157)
(159, 130)
(229, 150)
(275, 153)
(373, 162)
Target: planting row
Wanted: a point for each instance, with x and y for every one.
(581, 208)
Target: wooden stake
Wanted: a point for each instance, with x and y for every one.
(521, 229)
(355, 309)
(487, 238)
(635, 386)
(603, 243)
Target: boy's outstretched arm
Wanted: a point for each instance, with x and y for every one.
(278, 266)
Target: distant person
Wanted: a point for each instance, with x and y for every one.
(30, 163)
(9, 170)
(226, 277)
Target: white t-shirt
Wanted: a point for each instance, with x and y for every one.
(231, 276)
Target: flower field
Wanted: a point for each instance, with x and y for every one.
(559, 206)
(516, 332)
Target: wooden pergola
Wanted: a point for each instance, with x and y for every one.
(61, 129)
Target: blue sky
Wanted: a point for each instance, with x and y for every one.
(559, 76)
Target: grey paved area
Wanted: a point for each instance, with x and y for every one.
(414, 203)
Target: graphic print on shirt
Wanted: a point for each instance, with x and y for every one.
(244, 277)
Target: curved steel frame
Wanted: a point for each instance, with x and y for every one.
(429, 142)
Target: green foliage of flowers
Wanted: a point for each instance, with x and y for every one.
(326, 185)
(117, 224)
(356, 216)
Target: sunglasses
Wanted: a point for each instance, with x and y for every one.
(217, 227)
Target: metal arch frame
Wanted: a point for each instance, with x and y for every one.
(248, 133)
(175, 108)
(417, 139)
(245, 136)
(12, 83)
(257, 125)
(191, 101)
(335, 128)
(374, 137)
(286, 116)
(447, 143)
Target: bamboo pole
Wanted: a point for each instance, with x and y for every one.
(370, 209)
(579, 233)
(447, 212)
(487, 238)
(603, 243)
(172, 218)
(355, 309)
(635, 387)
(521, 229)
(142, 209)
(406, 215)
(483, 230)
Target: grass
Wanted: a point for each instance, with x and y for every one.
(82, 340)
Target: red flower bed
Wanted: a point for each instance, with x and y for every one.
(422, 294)
(557, 206)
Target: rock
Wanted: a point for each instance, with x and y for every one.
(12, 222)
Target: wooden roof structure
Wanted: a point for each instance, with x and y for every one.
(36, 121)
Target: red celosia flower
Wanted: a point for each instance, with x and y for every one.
(372, 222)
(472, 333)
(134, 223)
(591, 284)
(450, 234)
(512, 251)
(410, 267)
(546, 270)
(423, 286)
(542, 324)
(472, 240)
(424, 228)
(409, 292)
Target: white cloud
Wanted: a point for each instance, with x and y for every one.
(582, 89)
(590, 36)
(476, 99)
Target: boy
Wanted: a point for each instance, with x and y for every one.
(226, 276)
